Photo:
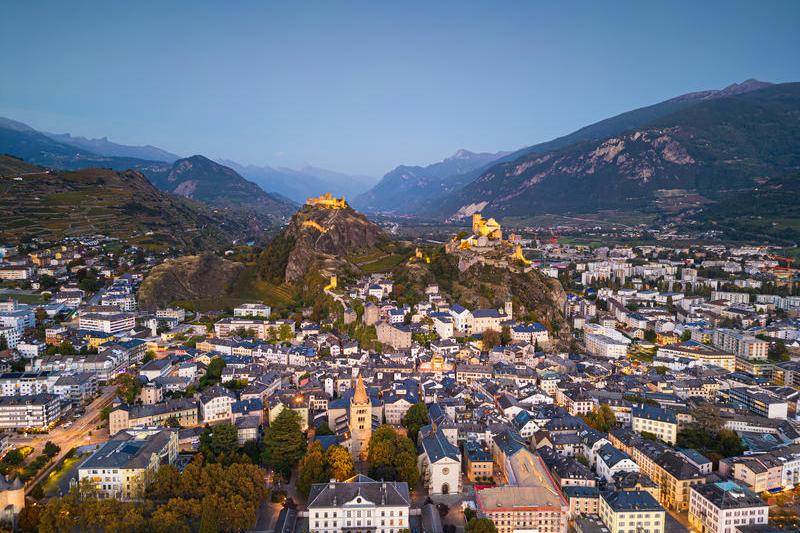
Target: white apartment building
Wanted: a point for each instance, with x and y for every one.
(252, 310)
(107, 323)
(720, 507)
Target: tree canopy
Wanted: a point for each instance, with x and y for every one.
(284, 443)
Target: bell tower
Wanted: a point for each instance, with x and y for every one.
(360, 422)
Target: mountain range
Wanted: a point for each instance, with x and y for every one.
(297, 185)
(572, 174)
(284, 186)
(416, 184)
(707, 150)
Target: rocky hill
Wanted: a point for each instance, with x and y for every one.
(188, 278)
(53, 204)
(202, 179)
(318, 237)
(708, 152)
(488, 285)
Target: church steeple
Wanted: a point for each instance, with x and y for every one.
(360, 397)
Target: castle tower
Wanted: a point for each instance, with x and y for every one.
(360, 422)
(509, 309)
(477, 222)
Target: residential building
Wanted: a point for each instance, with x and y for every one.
(719, 507)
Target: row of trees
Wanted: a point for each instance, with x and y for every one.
(206, 497)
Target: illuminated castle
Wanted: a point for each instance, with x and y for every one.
(327, 201)
(488, 228)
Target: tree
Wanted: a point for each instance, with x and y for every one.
(602, 418)
(323, 429)
(415, 418)
(128, 387)
(686, 335)
(480, 525)
(650, 335)
(149, 355)
(284, 443)
(490, 338)
(312, 469)
(41, 314)
(3, 343)
(340, 462)
(505, 335)
(224, 440)
(391, 455)
(707, 418)
(50, 449)
(406, 465)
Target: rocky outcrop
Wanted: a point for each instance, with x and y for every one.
(187, 278)
(317, 235)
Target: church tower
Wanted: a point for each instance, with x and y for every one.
(360, 422)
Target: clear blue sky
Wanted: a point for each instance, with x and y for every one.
(364, 86)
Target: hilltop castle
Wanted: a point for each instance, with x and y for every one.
(327, 201)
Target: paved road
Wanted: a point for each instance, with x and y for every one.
(76, 435)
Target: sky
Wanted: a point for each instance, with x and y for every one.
(361, 87)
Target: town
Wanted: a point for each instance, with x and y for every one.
(663, 398)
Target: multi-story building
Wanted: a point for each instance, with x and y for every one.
(631, 510)
(359, 504)
(175, 313)
(671, 471)
(740, 344)
(660, 422)
(107, 322)
(531, 499)
(478, 464)
(759, 401)
(252, 309)
(125, 465)
(32, 411)
(27, 383)
(124, 416)
(702, 353)
(715, 507)
(398, 336)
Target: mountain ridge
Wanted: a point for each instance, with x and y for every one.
(712, 148)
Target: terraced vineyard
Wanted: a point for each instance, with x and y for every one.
(51, 205)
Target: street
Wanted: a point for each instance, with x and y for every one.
(78, 434)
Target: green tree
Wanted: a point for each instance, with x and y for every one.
(3, 343)
(128, 387)
(340, 462)
(323, 429)
(415, 418)
(311, 469)
(505, 335)
(686, 335)
(602, 418)
(650, 335)
(224, 440)
(480, 525)
(284, 443)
